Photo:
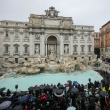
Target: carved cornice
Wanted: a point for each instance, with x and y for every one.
(6, 44)
(82, 45)
(75, 45)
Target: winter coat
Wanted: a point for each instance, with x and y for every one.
(43, 98)
(97, 105)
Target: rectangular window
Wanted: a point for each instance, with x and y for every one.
(106, 29)
(106, 35)
(6, 33)
(96, 35)
(74, 37)
(89, 49)
(106, 42)
(26, 34)
(16, 34)
(26, 59)
(6, 49)
(82, 37)
(89, 58)
(101, 43)
(16, 60)
(26, 49)
(25, 24)
(102, 50)
(6, 23)
(102, 37)
(75, 49)
(16, 49)
(82, 49)
(16, 24)
(75, 58)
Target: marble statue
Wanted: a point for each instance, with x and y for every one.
(51, 49)
(42, 21)
(56, 13)
(66, 49)
(47, 12)
(39, 59)
(37, 50)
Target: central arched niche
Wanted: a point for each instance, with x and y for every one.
(52, 38)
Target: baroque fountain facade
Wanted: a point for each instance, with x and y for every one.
(47, 43)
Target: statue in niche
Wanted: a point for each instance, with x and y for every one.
(66, 49)
(37, 50)
(51, 50)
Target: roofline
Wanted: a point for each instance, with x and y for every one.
(13, 21)
(105, 24)
(83, 25)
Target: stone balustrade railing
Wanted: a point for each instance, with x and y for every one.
(6, 53)
(16, 53)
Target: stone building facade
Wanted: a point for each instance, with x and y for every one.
(44, 35)
(105, 40)
(96, 39)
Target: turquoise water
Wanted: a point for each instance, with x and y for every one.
(13, 73)
(25, 82)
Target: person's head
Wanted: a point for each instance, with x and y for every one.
(47, 92)
(14, 93)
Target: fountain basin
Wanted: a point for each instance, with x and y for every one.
(38, 79)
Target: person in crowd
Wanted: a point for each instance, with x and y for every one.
(92, 103)
(8, 92)
(78, 101)
(86, 103)
(14, 97)
(107, 101)
(97, 105)
(86, 94)
(82, 104)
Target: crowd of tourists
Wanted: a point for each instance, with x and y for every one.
(95, 96)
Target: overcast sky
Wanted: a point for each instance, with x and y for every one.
(83, 12)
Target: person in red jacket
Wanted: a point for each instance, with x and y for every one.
(43, 96)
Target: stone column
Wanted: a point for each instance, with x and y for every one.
(46, 49)
(56, 49)
(71, 45)
(12, 49)
(1, 43)
(21, 45)
(42, 45)
(31, 44)
(61, 45)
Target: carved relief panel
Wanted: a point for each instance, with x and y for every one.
(37, 37)
(66, 37)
